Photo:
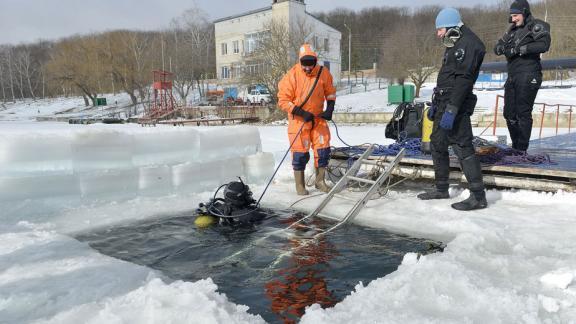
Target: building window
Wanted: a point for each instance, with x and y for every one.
(254, 41)
(326, 45)
(236, 47)
(224, 49)
(316, 43)
(225, 73)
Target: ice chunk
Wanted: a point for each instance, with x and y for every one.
(259, 167)
(155, 180)
(217, 143)
(230, 170)
(38, 186)
(166, 147)
(561, 278)
(114, 184)
(551, 305)
(101, 150)
(196, 176)
(34, 153)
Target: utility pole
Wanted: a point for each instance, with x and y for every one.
(349, 50)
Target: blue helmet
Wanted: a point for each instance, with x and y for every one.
(448, 17)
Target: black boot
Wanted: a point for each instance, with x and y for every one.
(477, 200)
(435, 194)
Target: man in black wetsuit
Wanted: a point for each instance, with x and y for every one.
(522, 45)
(452, 105)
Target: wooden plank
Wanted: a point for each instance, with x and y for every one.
(551, 171)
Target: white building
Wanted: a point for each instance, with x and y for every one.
(237, 37)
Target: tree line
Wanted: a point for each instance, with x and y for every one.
(403, 44)
(111, 62)
(400, 41)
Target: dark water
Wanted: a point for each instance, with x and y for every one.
(276, 273)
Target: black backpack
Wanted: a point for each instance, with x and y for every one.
(406, 122)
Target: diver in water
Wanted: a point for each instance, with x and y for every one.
(237, 208)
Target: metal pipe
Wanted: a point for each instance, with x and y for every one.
(349, 51)
(542, 119)
(496, 115)
(557, 117)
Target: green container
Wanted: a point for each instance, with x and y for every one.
(409, 93)
(100, 101)
(395, 94)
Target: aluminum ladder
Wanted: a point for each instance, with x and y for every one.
(351, 175)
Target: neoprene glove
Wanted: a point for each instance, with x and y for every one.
(431, 112)
(510, 52)
(327, 114)
(303, 113)
(448, 117)
(499, 49)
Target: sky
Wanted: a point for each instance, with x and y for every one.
(25, 21)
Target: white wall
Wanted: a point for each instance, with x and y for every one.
(292, 12)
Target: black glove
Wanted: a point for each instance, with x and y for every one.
(431, 112)
(499, 49)
(510, 52)
(327, 114)
(303, 113)
(523, 50)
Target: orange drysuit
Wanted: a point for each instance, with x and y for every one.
(292, 91)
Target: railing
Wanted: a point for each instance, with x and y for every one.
(568, 109)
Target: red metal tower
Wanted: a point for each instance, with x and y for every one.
(163, 103)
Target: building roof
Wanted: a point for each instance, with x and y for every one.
(247, 13)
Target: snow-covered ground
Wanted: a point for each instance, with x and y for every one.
(377, 100)
(373, 100)
(511, 263)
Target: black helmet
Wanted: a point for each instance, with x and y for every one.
(520, 7)
(238, 194)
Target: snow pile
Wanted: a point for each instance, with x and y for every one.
(124, 161)
(47, 277)
(196, 303)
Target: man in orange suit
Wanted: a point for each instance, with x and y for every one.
(304, 80)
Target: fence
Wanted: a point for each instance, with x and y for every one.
(359, 85)
(558, 108)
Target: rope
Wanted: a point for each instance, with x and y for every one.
(504, 155)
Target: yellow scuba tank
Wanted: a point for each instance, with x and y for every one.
(203, 220)
(427, 126)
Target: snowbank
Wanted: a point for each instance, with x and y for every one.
(122, 162)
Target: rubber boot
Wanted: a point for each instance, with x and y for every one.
(477, 200)
(473, 171)
(435, 194)
(320, 184)
(300, 183)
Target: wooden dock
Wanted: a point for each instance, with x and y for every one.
(560, 176)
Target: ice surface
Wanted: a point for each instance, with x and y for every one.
(218, 143)
(34, 153)
(178, 145)
(38, 186)
(112, 184)
(155, 180)
(259, 167)
(231, 169)
(121, 161)
(490, 271)
(102, 150)
(196, 176)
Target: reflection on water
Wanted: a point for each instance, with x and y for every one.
(276, 273)
(303, 281)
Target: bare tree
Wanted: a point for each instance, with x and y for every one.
(277, 52)
(411, 51)
(189, 47)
